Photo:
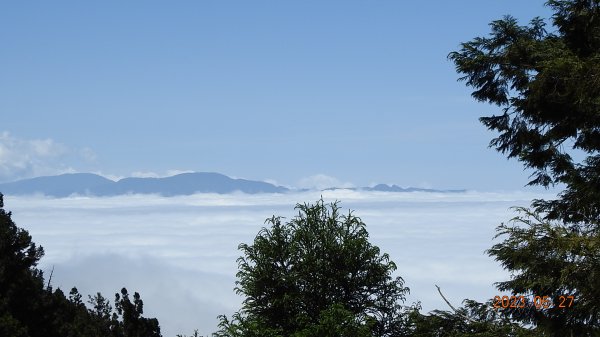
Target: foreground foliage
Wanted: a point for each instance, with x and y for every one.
(28, 308)
(548, 86)
(551, 259)
(316, 275)
(474, 319)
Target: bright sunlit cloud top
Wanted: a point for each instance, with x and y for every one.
(180, 252)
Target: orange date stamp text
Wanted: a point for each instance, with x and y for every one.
(537, 302)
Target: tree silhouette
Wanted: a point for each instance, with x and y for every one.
(548, 87)
(316, 275)
(28, 309)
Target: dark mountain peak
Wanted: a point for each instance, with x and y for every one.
(387, 188)
(180, 184)
(68, 177)
(58, 186)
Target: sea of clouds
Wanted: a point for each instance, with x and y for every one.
(180, 253)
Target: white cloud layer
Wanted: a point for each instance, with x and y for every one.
(180, 252)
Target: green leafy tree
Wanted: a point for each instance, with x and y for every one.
(316, 275)
(132, 323)
(552, 260)
(336, 321)
(101, 313)
(548, 87)
(474, 319)
(21, 283)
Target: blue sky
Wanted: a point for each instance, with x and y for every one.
(295, 92)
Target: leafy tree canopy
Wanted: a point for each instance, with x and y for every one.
(474, 319)
(548, 85)
(21, 284)
(552, 260)
(316, 275)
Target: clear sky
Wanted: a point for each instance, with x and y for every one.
(295, 92)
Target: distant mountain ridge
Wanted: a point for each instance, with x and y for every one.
(65, 185)
(68, 184)
(394, 188)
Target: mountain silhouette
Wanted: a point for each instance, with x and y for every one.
(57, 186)
(186, 184)
(91, 184)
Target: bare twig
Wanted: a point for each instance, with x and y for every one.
(50, 279)
(454, 309)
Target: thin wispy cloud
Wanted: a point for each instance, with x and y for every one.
(22, 158)
(88, 155)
